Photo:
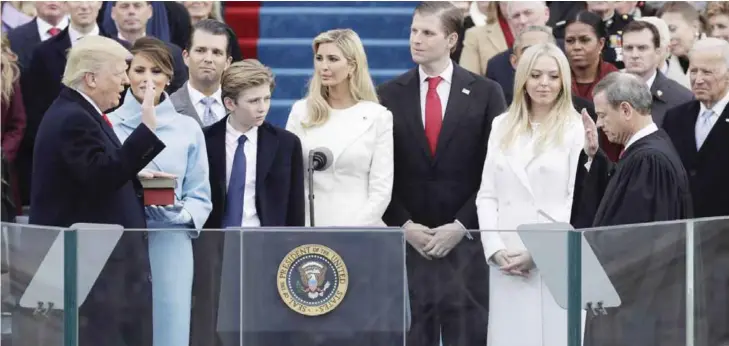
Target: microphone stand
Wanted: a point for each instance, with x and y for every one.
(310, 170)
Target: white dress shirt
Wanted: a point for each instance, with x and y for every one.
(121, 37)
(650, 81)
(44, 26)
(74, 35)
(250, 148)
(640, 134)
(196, 99)
(718, 109)
(89, 100)
(443, 89)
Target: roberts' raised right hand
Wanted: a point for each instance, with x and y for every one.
(591, 143)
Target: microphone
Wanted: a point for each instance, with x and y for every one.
(321, 158)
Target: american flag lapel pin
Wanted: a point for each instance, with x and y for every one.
(466, 91)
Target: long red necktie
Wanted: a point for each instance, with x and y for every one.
(106, 119)
(433, 113)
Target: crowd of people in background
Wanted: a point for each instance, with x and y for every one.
(592, 113)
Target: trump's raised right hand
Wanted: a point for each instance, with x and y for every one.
(591, 143)
(148, 113)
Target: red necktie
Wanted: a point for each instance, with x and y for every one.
(54, 31)
(433, 113)
(106, 119)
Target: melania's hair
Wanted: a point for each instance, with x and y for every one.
(562, 112)
(361, 87)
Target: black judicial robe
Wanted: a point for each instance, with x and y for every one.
(646, 264)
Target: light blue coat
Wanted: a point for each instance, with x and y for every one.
(170, 250)
(185, 156)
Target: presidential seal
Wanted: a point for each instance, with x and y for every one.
(312, 280)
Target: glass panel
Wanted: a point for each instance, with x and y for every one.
(32, 285)
(646, 266)
(242, 287)
(710, 279)
(319, 287)
(528, 305)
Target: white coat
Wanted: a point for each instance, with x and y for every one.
(356, 189)
(516, 184)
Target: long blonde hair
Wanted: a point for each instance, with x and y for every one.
(10, 71)
(563, 112)
(361, 87)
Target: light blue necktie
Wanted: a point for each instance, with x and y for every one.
(703, 127)
(208, 115)
(233, 216)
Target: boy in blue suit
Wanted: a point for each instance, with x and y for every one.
(257, 180)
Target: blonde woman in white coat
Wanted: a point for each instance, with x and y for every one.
(341, 112)
(531, 165)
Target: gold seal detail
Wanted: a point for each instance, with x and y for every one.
(312, 280)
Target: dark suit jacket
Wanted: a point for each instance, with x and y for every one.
(279, 176)
(23, 39)
(183, 104)
(279, 203)
(435, 190)
(43, 77)
(84, 174)
(708, 169)
(667, 94)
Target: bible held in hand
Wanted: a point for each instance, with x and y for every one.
(158, 191)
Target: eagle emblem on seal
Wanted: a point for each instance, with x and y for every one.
(313, 279)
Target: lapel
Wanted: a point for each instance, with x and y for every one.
(76, 97)
(687, 144)
(518, 158)
(33, 35)
(216, 155)
(658, 85)
(62, 44)
(413, 114)
(266, 154)
(495, 37)
(719, 134)
(186, 106)
(458, 103)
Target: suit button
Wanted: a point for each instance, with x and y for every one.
(692, 172)
(140, 195)
(149, 277)
(145, 235)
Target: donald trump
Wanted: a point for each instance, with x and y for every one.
(84, 174)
